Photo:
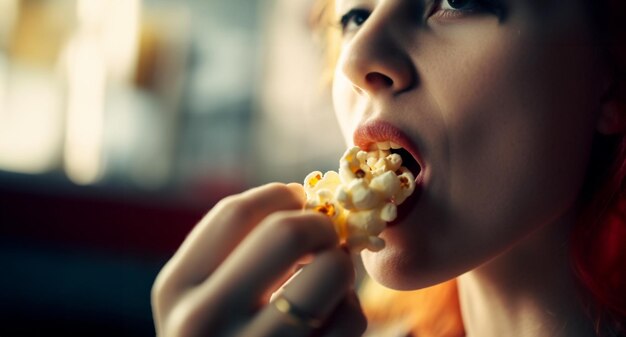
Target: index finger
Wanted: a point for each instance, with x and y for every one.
(315, 293)
(223, 228)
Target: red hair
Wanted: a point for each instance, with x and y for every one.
(598, 241)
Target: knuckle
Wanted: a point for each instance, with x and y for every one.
(162, 288)
(157, 290)
(235, 208)
(305, 231)
(226, 201)
(188, 319)
(180, 322)
(276, 188)
(324, 226)
(232, 202)
(272, 192)
(288, 230)
(239, 205)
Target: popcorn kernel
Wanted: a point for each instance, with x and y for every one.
(315, 179)
(404, 182)
(363, 197)
(327, 208)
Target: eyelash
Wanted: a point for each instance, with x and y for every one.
(474, 6)
(351, 16)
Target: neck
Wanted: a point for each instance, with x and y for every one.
(528, 291)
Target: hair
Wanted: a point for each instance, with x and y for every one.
(598, 238)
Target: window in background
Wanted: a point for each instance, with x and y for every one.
(190, 96)
(154, 109)
(295, 131)
(31, 114)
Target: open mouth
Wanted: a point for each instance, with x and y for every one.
(408, 161)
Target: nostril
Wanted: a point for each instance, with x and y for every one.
(378, 80)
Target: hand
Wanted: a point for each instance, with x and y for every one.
(219, 281)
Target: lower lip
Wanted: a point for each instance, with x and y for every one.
(405, 208)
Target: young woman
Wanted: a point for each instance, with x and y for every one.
(512, 114)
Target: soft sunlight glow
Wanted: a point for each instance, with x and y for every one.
(102, 52)
(85, 117)
(29, 128)
(120, 38)
(8, 16)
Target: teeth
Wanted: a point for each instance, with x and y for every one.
(383, 145)
(386, 145)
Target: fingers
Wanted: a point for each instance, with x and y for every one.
(213, 239)
(223, 228)
(238, 253)
(315, 293)
(323, 283)
(267, 253)
(276, 245)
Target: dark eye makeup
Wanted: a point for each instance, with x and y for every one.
(459, 8)
(447, 9)
(354, 17)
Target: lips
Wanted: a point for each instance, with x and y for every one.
(370, 134)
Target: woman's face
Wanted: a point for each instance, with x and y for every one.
(497, 98)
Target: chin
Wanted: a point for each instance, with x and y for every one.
(402, 269)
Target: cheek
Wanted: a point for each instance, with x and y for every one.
(345, 103)
(512, 153)
(520, 122)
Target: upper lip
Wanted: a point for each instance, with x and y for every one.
(380, 131)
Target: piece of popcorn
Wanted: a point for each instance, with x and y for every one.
(363, 197)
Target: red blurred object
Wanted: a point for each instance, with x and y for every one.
(120, 222)
(598, 246)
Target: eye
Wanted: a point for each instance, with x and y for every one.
(456, 4)
(353, 19)
(458, 8)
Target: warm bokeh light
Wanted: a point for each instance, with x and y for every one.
(86, 85)
(102, 50)
(8, 16)
(122, 122)
(30, 121)
(155, 93)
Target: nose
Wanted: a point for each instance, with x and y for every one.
(376, 61)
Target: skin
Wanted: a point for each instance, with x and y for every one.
(488, 101)
(219, 281)
(503, 108)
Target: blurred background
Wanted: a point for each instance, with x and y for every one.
(121, 123)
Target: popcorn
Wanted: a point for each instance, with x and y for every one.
(363, 197)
